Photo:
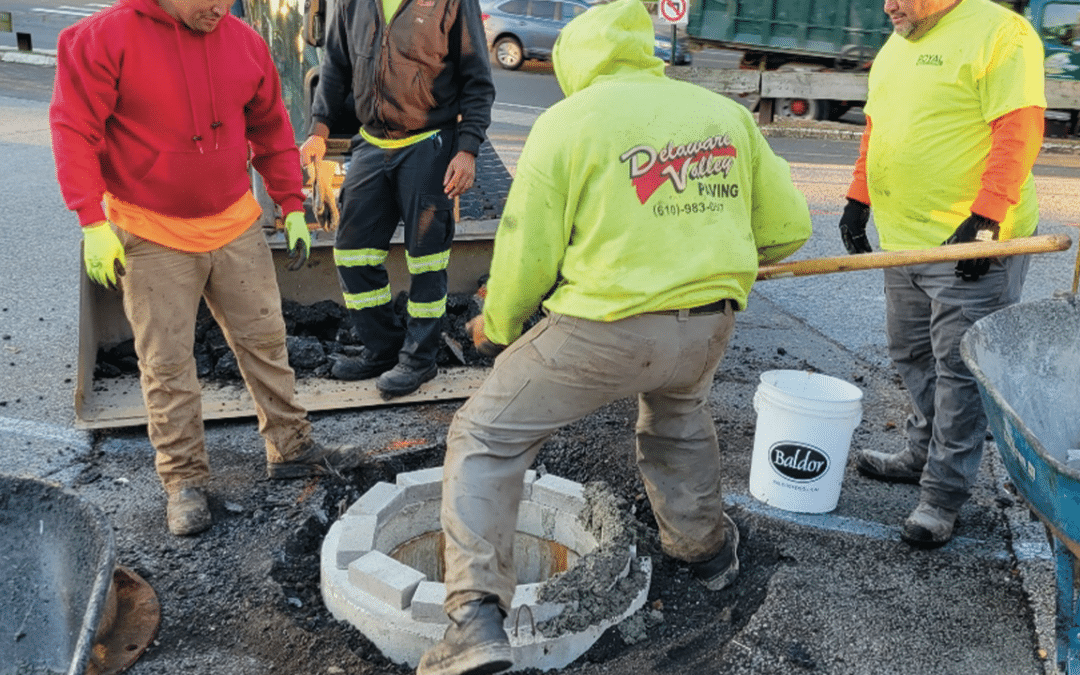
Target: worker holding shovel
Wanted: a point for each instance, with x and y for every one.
(638, 216)
(954, 122)
(156, 106)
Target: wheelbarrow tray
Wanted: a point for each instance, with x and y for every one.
(1026, 359)
(57, 557)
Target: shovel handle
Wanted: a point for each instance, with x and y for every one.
(1044, 243)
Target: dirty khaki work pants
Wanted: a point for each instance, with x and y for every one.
(927, 310)
(162, 287)
(558, 372)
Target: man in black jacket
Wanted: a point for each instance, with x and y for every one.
(420, 76)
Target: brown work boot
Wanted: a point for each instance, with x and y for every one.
(474, 644)
(720, 570)
(187, 512)
(316, 459)
(929, 526)
(899, 467)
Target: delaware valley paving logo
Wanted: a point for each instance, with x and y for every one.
(797, 462)
(650, 168)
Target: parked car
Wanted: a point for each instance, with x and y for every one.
(526, 29)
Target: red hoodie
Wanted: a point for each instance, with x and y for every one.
(161, 116)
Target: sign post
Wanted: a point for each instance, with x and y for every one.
(674, 13)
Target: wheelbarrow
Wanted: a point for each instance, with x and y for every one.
(66, 606)
(1026, 359)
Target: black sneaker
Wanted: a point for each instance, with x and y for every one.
(363, 367)
(316, 459)
(475, 643)
(402, 380)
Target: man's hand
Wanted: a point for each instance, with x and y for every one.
(103, 254)
(297, 240)
(460, 174)
(475, 329)
(974, 228)
(853, 227)
(313, 150)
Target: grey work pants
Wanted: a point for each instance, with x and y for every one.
(557, 373)
(928, 309)
(162, 287)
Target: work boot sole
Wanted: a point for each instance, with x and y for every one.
(481, 659)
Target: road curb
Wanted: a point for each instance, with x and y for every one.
(37, 57)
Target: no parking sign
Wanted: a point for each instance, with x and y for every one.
(673, 11)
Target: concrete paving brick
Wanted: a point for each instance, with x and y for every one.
(427, 603)
(382, 500)
(422, 485)
(382, 577)
(357, 538)
(560, 493)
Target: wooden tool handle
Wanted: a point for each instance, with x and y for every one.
(1044, 243)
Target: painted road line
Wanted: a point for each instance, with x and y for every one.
(73, 438)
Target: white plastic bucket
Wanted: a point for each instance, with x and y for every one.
(804, 426)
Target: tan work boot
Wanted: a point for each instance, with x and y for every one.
(898, 467)
(474, 644)
(929, 526)
(187, 512)
(316, 459)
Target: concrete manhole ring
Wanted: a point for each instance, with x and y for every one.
(381, 569)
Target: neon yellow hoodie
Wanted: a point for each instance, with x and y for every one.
(636, 193)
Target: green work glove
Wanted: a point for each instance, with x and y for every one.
(103, 254)
(974, 228)
(297, 240)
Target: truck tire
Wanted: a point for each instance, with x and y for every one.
(508, 53)
(802, 108)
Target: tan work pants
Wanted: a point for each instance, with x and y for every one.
(162, 287)
(558, 372)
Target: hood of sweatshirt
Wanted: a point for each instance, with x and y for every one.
(608, 40)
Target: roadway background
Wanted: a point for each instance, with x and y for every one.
(840, 567)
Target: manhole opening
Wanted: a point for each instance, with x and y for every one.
(535, 559)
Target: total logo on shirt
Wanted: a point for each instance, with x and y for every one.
(930, 60)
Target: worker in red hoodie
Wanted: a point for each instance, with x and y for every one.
(157, 107)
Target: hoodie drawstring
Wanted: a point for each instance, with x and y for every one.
(196, 137)
(213, 95)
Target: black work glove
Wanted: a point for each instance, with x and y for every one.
(853, 227)
(974, 228)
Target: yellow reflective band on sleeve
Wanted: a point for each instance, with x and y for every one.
(427, 310)
(428, 263)
(359, 257)
(380, 296)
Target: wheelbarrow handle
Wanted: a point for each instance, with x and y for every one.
(1045, 243)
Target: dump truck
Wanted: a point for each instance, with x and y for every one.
(841, 38)
(293, 30)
